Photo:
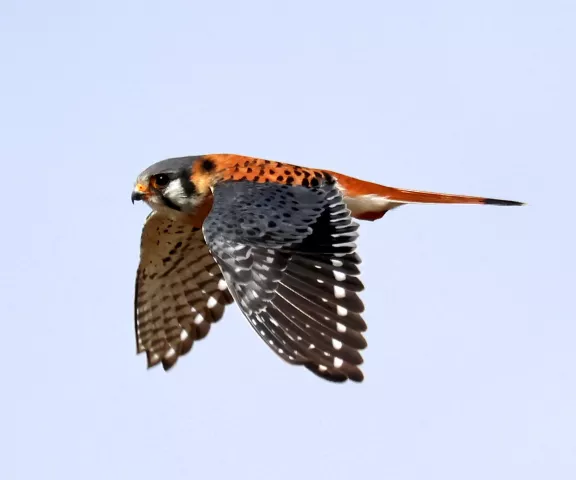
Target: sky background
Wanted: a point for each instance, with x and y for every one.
(470, 368)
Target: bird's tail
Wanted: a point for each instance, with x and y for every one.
(370, 201)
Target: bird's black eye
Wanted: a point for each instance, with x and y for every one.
(161, 180)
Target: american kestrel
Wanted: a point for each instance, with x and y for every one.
(278, 239)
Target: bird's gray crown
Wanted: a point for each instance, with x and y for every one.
(170, 165)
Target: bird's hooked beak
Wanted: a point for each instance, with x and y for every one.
(139, 193)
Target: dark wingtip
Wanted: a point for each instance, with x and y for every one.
(506, 203)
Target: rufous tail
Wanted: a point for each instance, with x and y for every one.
(370, 201)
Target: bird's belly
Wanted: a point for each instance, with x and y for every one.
(368, 207)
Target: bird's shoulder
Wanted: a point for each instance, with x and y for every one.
(216, 168)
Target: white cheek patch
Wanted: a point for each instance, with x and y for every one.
(174, 189)
(177, 195)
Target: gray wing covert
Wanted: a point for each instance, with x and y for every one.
(287, 253)
(179, 290)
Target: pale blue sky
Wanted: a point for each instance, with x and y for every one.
(470, 368)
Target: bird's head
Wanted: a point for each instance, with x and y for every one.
(169, 185)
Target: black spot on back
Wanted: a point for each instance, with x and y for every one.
(208, 165)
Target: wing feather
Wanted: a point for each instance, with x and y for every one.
(179, 290)
(288, 255)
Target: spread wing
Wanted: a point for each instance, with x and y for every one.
(180, 291)
(288, 256)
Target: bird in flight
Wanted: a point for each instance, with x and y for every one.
(278, 239)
